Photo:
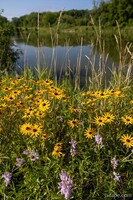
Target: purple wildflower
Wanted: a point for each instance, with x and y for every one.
(31, 154)
(73, 149)
(65, 185)
(114, 163)
(116, 176)
(98, 140)
(20, 162)
(26, 152)
(7, 177)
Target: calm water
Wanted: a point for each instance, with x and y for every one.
(62, 59)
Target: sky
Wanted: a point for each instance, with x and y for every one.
(17, 8)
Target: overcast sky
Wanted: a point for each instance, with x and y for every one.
(17, 8)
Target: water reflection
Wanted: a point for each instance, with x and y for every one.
(60, 60)
(70, 58)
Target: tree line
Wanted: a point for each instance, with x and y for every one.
(107, 11)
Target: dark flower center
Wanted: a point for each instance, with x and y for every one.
(100, 120)
(74, 122)
(34, 130)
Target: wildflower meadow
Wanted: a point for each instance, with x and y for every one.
(60, 143)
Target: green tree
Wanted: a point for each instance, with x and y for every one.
(67, 19)
(49, 18)
(8, 54)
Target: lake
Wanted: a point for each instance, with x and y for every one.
(76, 57)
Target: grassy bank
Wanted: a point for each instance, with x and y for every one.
(127, 32)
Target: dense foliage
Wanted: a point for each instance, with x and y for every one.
(8, 54)
(108, 11)
(112, 10)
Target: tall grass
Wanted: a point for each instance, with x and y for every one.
(120, 74)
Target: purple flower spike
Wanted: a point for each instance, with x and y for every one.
(20, 162)
(116, 176)
(32, 155)
(7, 177)
(98, 140)
(73, 149)
(114, 163)
(65, 185)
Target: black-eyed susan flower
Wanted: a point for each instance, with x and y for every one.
(37, 100)
(127, 120)
(114, 92)
(89, 133)
(35, 130)
(100, 121)
(26, 129)
(24, 87)
(39, 92)
(44, 105)
(57, 150)
(10, 97)
(30, 109)
(127, 140)
(58, 146)
(90, 101)
(57, 153)
(108, 117)
(73, 123)
(39, 114)
(27, 97)
(57, 94)
(44, 136)
(118, 93)
(3, 106)
(5, 89)
(102, 94)
(15, 92)
(47, 82)
(52, 88)
(29, 114)
(74, 109)
(20, 104)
